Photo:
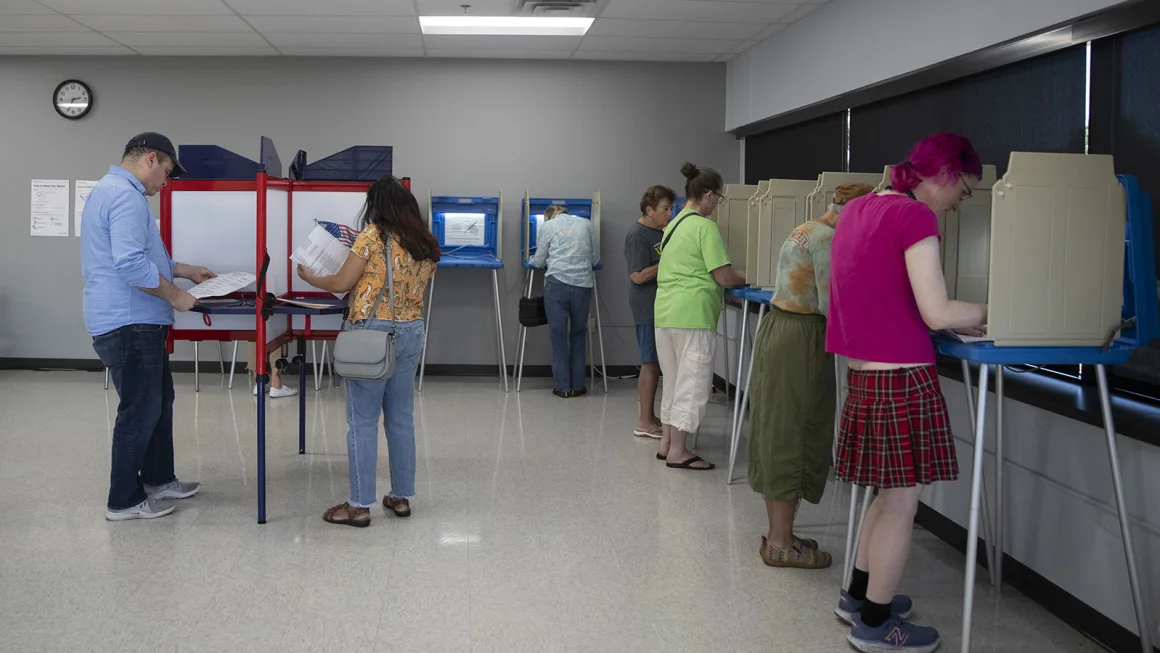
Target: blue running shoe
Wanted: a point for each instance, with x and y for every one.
(893, 635)
(900, 607)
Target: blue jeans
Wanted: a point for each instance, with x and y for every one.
(394, 398)
(563, 303)
(138, 362)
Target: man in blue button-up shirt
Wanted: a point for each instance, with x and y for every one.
(129, 300)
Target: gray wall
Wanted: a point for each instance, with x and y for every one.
(461, 127)
(848, 44)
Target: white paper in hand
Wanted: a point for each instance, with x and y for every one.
(223, 284)
(322, 253)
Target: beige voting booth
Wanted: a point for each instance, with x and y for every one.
(1056, 269)
(732, 218)
(783, 208)
(751, 230)
(823, 195)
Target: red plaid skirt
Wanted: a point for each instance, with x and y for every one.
(895, 430)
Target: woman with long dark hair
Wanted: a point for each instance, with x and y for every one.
(392, 230)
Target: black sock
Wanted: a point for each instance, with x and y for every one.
(874, 614)
(858, 584)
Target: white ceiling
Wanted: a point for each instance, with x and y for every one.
(626, 30)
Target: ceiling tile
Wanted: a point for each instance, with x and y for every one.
(499, 54)
(455, 7)
(347, 41)
(644, 56)
(769, 31)
(323, 7)
(479, 42)
(108, 23)
(65, 50)
(40, 23)
(194, 39)
(673, 29)
(337, 24)
(47, 39)
(800, 12)
(626, 44)
(743, 46)
(352, 52)
(190, 51)
(23, 7)
(139, 7)
(695, 10)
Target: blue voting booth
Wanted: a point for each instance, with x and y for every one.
(531, 220)
(469, 233)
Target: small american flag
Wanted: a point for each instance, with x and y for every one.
(342, 233)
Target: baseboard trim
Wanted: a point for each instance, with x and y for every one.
(1053, 598)
(214, 367)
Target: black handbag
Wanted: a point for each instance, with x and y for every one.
(532, 312)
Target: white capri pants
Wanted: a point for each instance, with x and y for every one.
(686, 358)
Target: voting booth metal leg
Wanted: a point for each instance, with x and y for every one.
(426, 332)
(854, 529)
(744, 400)
(233, 365)
(1000, 461)
(600, 334)
(317, 365)
(499, 329)
(106, 378)
(261, 450)
(522, 339)
(1122, 511)
(196, 367)
(301, 358)
(988, 539)
(735, 429)
(980, 424)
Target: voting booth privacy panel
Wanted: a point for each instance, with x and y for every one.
(232, 214)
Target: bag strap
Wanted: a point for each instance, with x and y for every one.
(389, 286)
(674, 229)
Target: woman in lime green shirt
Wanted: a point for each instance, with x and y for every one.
(693, 273)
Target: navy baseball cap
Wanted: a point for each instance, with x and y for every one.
(155, 141)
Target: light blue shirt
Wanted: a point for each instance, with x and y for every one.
(567, 244)
(122, 252)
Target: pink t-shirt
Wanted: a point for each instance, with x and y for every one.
(873, 314)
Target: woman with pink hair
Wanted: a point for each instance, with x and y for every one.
(886, 291)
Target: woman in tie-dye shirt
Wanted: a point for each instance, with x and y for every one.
(792, 431)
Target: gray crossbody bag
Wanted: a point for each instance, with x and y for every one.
(367, 353)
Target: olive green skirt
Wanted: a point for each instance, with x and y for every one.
(791, 408)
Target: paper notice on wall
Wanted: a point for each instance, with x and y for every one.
(80, 196)
(50, 207)
(464, 229)
(223, 284)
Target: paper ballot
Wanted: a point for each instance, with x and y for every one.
(464, 229)
(322, 252)
(223, 284)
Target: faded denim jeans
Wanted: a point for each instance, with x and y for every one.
(394, 399)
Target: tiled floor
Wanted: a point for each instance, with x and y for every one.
(541, 525)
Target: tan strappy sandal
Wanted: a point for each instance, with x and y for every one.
(799, 556)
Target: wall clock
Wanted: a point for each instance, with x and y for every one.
(73, 99)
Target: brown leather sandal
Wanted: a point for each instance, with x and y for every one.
(348, 515)
(401, 507)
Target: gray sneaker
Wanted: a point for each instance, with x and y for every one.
(174, 489)
(147, 509)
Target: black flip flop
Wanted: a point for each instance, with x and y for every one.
(661, 457)
(687, 465)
